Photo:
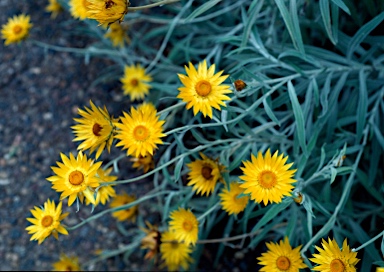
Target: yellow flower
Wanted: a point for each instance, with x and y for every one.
(122, 215)
(107, 12)
(204, 175)
(95, 129)
(135, 82)
(379, 269)
(46, 221)
(75, 177)
(146, 106)
(54, 7)
(202, 89)
(174, 253)
(332, 259)
(143, 162)
(78, 9)
(104, 192)
(16, 29)
(67, 263)
(151, 241)
(185, 226)
(117, 33)
(281, 258)
(268, 178)
(230, 200)
(140, 132)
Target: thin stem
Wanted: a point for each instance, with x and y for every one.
(170, 108)
(208, 212)
(369, 242)
(165, 2)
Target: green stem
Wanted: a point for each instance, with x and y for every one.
(165, 2)
(208, 212)
(170, 108)
(369, 242)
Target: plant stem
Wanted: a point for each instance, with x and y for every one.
(165, 2)
(369, 242)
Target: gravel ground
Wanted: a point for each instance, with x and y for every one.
(40, 92)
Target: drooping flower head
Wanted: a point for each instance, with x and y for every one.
(135, 82)
(117, 33)
(267, 178)
(16, 29)
(54, 8)
(107, 12)
(78, 9)
(202, 89)
(174, 253)
(151, 241)
(67, 263)
(46, 221)
(95, 129)
(104, 192)
(204, 175)
(126, 214)
(333, 259)
(75, 177)
(140, 132)
(280, 257)
(143, 162)
(185, 226)
(230, 200)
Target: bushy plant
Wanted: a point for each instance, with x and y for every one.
(263, 125)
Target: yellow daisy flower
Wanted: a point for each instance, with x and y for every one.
(75, 177)
(16, 29)
(204, 174)
(332, 259)
(67, 263)
(174, 253)
(143, 162)
(78, 9)
(46, 221)
(379, 269)
(185, 225)
(281, 258)
(117, 33)
(104, 192)
(107, 12)
(268, 178)
(230, 200)
(95, 129)
(140, 132)
(202, 89)
(135, 82)
(54, 7)
(122, 215)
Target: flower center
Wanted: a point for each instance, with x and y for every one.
(187, 225)
(203, 88)
(17, 29)
(47, 221)
(283, 263)
(267, 179)
(336, 266)
(206, 172)
(174, 244)
(76, 177)
(109, 4)
(134, 82)
(96, 129)
(140, 133)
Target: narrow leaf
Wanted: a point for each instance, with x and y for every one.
(341, 5)
(298, 113)
(203, 8)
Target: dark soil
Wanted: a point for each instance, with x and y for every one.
(40, 92)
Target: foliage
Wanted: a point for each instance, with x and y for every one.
(314, 88)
